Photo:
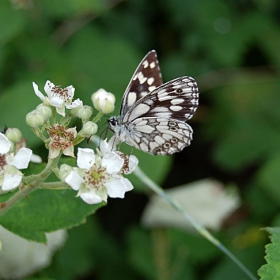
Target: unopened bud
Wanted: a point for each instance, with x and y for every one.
(89, 128)
(103, 101)
(45, 110)
(35, 118)
(14, 135)
(85, 112)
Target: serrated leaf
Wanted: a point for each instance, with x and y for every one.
(271, 270)
(46, 211)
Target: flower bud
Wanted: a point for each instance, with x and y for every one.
(103, 101)
(85, 112)
(89, 128)
(14, 135)
(35, 118)
(46, 111)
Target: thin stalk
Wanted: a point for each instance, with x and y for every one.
(200, 228)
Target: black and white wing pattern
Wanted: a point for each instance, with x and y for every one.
(154, 120)
(145, 79)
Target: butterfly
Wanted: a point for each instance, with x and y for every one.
(153, 115)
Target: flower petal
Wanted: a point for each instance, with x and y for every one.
(36, 159)
(70, 91)
(74, 180)
(85, 158)
(56, 101)
(119, 187)
(69, 151)
(76, 103)
(22, 158)
(91, 197)
(5, 144)
(11, 180)
(128, 184)
(48, 88)
(112, 162)
(132, 163)
(38, 92)
(53, 153)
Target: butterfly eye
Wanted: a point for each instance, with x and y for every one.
(112, 121)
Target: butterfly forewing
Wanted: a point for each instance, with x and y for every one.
(145, 79)
(176, 99)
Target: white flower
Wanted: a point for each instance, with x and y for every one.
(206, 201)
(20, 257)
(10, 176)
(61, 140)
(58, 97)
(103, 101)
(99, 175)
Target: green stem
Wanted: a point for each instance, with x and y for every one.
(200, 228)
(34, 182)
(98, 117)
(54, 186)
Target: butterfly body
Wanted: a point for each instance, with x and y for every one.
(153, 115)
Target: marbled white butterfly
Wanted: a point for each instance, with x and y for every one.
(153, 115)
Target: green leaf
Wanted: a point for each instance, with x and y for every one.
(271, 270)
(45, 211)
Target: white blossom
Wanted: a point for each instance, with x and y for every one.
(206, 201)
(61, 139)
(58, 97)
(100, 175)
(10, 176)
(20, 257)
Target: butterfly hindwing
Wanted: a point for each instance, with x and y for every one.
(160, 136)
(146, 78)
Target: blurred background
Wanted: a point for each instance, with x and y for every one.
(231, 48)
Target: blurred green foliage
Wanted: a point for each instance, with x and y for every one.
(230, 47)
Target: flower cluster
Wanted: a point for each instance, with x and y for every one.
(97, 175)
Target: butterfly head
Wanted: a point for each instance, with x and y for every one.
(113, 122)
